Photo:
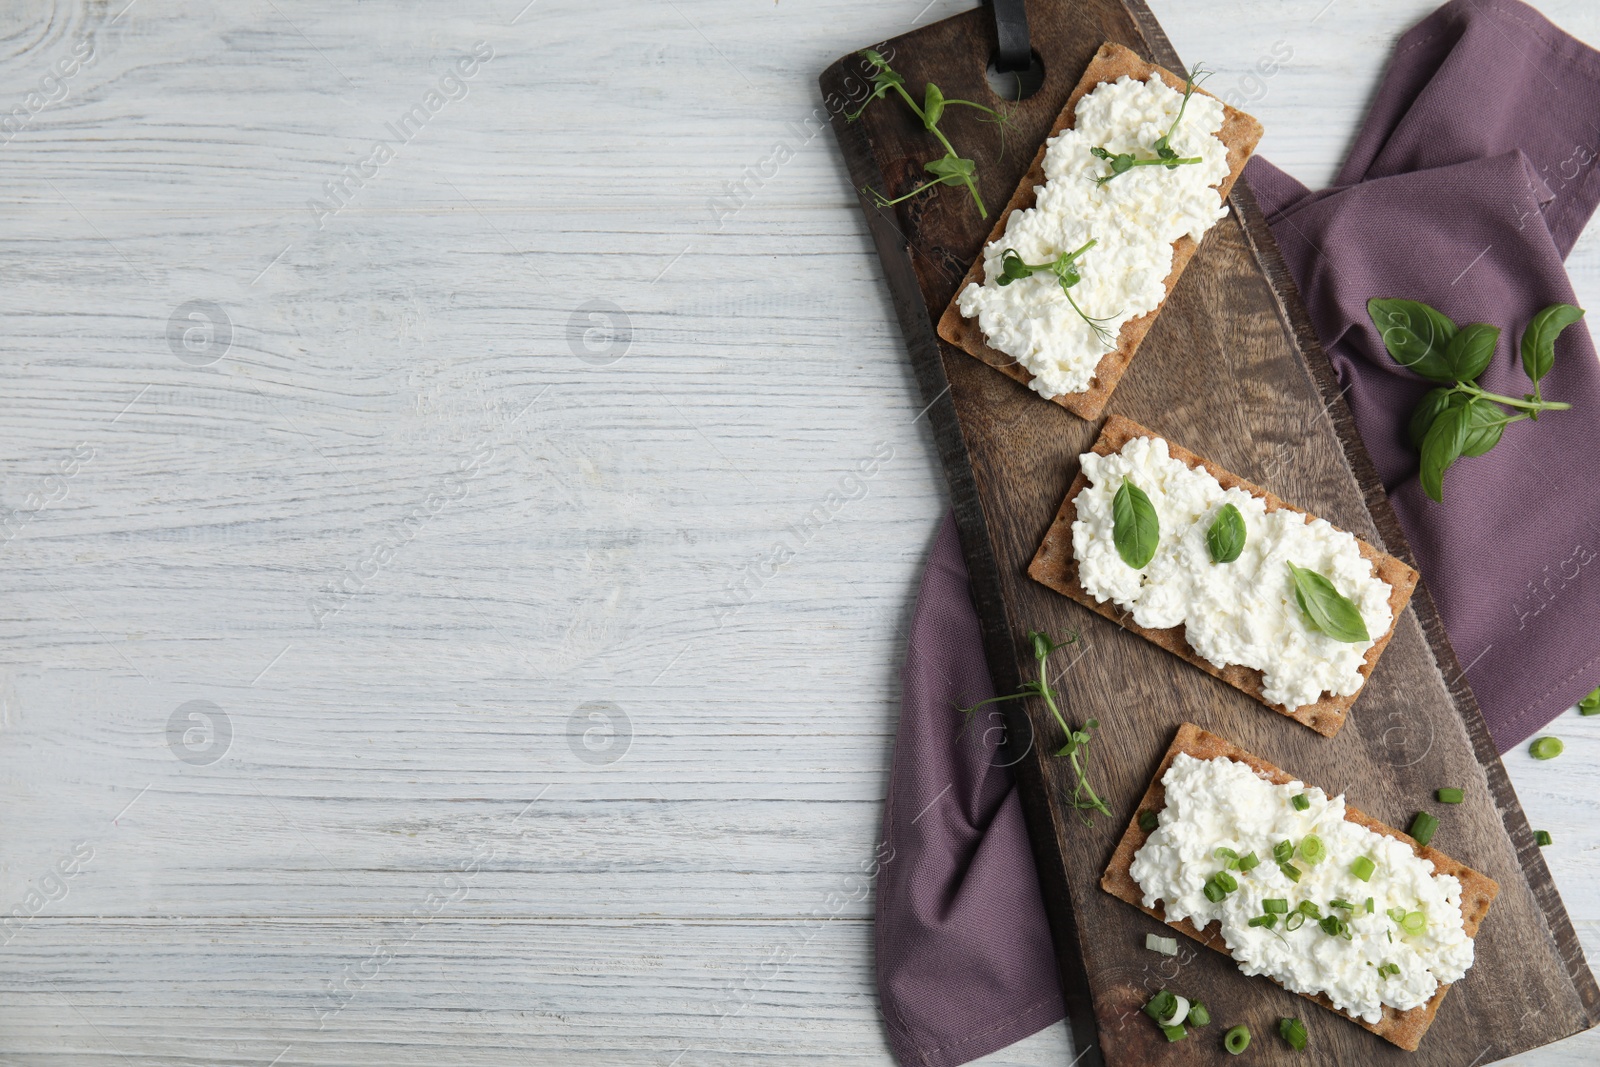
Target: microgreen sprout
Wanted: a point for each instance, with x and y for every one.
(949, 169)
(1084, 798)
(1165, 154)
(1065, 269)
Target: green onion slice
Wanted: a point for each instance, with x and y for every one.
(1362, 868)
(1450, 795)
(1370, 908)
(1414, 923)
(1174, 1033)
(1300, 801)
(1275, 906)
(1312, 850)
(1198, 1015)
(1423, 826)
(1541, 838)
(1290, 871)
(1269, 921)
(1249, 861)
(1237, 1039)
(1162, 1005)
(1167, 946)
(1294, 1032)
(1345, 904)
(1148, 820)
(1294, 922)
(1283, 851)
(1546, 748)
(1309, 910)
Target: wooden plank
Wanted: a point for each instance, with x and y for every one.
(1250, 389)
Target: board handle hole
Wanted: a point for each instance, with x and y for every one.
(1015, 85)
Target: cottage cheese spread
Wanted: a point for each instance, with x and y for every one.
(1135, 218)
(1242, 612)
(1220, 803)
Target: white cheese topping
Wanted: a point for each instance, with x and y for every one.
(1219, 803)
(1134, 218)
(1242, 612)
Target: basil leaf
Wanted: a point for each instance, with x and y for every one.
(1225, 538)
(1325, 608)
(1427, 410)
(1415, 334)
(932, 106)
(1485, 423)
(1471, 350)
(1136, 529)
(1441, 448)
(1539, 339)
(951, 170)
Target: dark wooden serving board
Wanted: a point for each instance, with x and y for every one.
(1233, 371)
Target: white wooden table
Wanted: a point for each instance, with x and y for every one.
(392, 652)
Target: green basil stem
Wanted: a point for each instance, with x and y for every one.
(1526, 405)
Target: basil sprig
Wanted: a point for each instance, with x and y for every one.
(1325, 608)
(1461, 419)
(1225, 538)
(1136, 529)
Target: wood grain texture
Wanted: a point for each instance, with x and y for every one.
(1055, 566)
(1239, 133)
(1402, 1028)
(679, 902)
(1248, 389)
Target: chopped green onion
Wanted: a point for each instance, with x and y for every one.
(1312, 850)
(1283, 851)
(1300, 801)
(1414, 923)
(1541, 838)
(1227, 881)
(1370, 908)
(1294, 1032)
(1162, 1005)
(1199, 1015)
(1345, 904)
(1309, 910)
(1148, 821)
(1222, 853)
(1275, 906)
(1331, 925)
(1237, 1039)
(1423, 826)
(1362, 868)
(1167, 946)
(1174, 1033)
(1450, 795)
(1590, 705)
(1294, 922)
(1546, 748)
(1249, 861)
(1214, 892)
(1269, 921)
(1290, 871)
(1397, 914)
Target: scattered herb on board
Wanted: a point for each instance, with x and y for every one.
(1165, 155)
(1065, 269)
(1294, 1032)
(1237, 1039)
(1135, 527)
(1461, 419)
(1325, 608)
(1083, 798)
(1423, 827)
(1225, 538)
(1450, 795)
(1590, 705)
(948, 169)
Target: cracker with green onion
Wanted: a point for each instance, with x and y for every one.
(1402, 1028)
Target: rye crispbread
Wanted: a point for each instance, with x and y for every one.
(1055, 565)
(1402, 1028)
(1239, 132)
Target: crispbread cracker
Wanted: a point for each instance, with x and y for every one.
(1055, 565)
(1403, 1028)
(1239, 132)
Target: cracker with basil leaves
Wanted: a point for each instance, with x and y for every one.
(1240, 133)
(1478, 890)
(1054, 565)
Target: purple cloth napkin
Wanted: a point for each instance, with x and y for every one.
(1471, 179)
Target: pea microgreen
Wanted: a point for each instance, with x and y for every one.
(1065, 269)
(1165, 154)
(1083, 798)
(1461, 419)
(950, 168)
